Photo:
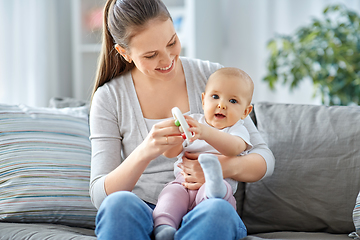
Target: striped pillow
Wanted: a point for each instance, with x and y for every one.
(45, 166)
(356, 217)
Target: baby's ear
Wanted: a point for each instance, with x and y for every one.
(202, 99)
(247, 111)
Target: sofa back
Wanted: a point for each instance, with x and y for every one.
(317, 170)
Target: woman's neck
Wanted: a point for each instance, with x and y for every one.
(157, 97)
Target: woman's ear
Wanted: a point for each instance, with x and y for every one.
(123, 53)
(247, 111)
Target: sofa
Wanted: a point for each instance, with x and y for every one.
(312, 194)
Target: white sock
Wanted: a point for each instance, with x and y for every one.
(215, 186)
(164, 232)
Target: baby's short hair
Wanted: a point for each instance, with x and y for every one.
(238, 73)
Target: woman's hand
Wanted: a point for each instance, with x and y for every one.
(192, 171)
(162, 136)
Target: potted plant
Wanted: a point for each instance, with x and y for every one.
(327, 51)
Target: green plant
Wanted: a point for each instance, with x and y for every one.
(327, 51)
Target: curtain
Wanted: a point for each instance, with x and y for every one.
(35, 46)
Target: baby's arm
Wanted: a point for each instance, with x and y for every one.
(225, 143)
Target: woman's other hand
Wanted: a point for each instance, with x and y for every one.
(192, 171)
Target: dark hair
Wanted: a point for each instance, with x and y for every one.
(122, 20)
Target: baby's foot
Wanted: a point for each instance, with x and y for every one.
(164, 232)
(215, 186)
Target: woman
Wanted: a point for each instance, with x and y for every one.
(140, 79)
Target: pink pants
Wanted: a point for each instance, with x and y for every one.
(175, 201)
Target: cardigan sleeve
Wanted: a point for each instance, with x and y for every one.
(259, 146)
(105, 143)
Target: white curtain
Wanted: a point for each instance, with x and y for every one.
(247, 27)
(35, 51)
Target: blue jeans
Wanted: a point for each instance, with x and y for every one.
(123, 215)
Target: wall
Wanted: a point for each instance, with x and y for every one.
(35, 44)
(246, 26)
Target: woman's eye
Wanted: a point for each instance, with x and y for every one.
(214, 96)
(233, 101)
(173, 43)
(150, 56)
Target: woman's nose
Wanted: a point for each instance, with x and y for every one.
(166, 58)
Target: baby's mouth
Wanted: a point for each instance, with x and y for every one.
(220, 115)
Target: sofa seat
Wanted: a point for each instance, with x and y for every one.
(297, 236)
(27, 231)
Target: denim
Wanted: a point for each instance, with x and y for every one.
(123, 215)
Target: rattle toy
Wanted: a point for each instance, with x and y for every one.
(182, 124)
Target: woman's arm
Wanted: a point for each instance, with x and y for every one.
(124, 176)
(248, 168)
(109, 172)
(162, 136)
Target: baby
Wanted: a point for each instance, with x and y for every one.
(220, 130)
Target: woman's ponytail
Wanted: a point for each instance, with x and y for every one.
(121, 21)
(110, 63)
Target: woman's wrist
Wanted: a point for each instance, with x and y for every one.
(143, 154)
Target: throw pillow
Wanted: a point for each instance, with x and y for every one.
(317, 169)
(356, 219)
(45, 166)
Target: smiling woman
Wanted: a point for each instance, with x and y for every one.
(141, 77)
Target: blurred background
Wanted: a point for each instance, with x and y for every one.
(49, 48)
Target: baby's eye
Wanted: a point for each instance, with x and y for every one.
(233, 101)
(215, 96)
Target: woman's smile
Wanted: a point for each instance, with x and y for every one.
(166, 69)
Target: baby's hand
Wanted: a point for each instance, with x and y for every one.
(196, 128)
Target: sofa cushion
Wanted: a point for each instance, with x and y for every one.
(45, 166)
(43, 231)
(297, 236)
(356, 216)
(317, 169)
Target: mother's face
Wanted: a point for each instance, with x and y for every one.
(155, 50)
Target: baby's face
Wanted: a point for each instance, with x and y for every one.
(225, 101)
